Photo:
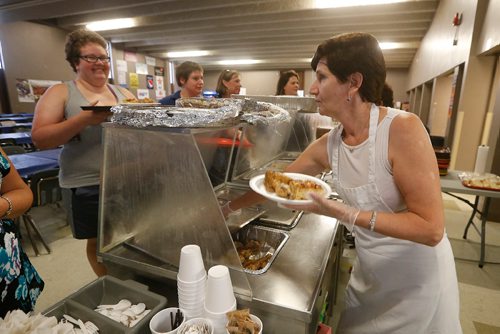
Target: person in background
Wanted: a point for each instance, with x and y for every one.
(229, 83)
(387, 97)
(189, 76)
(384, 169)
(288, 83)
(20, 284)
(59, 120)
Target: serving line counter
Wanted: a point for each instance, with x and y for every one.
(160, 191)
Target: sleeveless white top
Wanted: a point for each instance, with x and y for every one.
(396, 286)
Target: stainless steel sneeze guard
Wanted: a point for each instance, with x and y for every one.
(156, 195)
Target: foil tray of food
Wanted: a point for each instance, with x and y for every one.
(199, 113)
(258, 247)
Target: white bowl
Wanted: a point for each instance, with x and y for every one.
(196, 321)
(254, 319)
(160, 322)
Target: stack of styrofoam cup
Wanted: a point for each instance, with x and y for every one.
(219, 297)
(191, 281)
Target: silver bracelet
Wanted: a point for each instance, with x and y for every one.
(373, 220)
(9, 209)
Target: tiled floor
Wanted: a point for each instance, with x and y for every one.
(66, 269)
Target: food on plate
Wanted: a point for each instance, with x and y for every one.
(289, 188)
(144, 100)
(252, 255)
(489, 181)
(240, 322)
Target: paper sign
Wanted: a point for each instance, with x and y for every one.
(38, 87)
(122, 79)
(134, 80)
(149, 82)
(160, 93)
(159, 82)
(130, 56)
(142, 93)
(141, 68)
(160, 71)
(121, 66)
(150, 61)
(24, 92)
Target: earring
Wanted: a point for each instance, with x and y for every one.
(348, 98)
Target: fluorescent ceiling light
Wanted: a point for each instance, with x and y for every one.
(111, 24)
(389, 45)
(184, 54)
(238, 62)
(352, 3)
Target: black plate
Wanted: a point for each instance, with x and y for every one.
(96, 108)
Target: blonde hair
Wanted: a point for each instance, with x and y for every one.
(225, 75)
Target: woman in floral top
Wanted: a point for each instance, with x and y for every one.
(20, 284)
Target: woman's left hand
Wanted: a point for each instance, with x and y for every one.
(322, 206)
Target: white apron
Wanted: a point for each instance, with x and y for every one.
(396, 286)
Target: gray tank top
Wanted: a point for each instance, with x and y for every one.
(80, 159)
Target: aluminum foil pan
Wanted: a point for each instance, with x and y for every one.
(255, 243)
(198, 112)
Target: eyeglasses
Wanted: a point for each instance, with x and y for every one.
(94, 59)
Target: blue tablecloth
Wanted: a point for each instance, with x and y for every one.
(52, 154)
(30, 163)
(12, 128)
(18, 137)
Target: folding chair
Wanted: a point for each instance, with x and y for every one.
(46, 190)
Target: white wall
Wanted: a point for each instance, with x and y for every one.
(398, 80)
(490, 32)
(437, 54)
(438, 118)
(32, 51)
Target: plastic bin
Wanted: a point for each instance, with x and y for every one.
(109, 290)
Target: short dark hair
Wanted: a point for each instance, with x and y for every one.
(387, 96)
(225, 75)
(76, 39)
(283, 80)
(349, 53)
(184, 70)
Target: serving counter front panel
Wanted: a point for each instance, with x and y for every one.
(157, 196)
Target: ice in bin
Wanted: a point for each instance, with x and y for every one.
(258, 246)
(110, 290)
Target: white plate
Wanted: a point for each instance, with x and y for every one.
(257, 185)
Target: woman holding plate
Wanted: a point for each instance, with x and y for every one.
(385, 170)
(59, 120)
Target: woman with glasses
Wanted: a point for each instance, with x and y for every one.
(229, 83)
(59, 120)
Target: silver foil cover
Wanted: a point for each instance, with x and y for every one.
(199, 112)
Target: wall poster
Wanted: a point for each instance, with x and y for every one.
(134, 80)
(149, 82)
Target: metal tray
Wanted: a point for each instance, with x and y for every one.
(109, 290)
(272, 241)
